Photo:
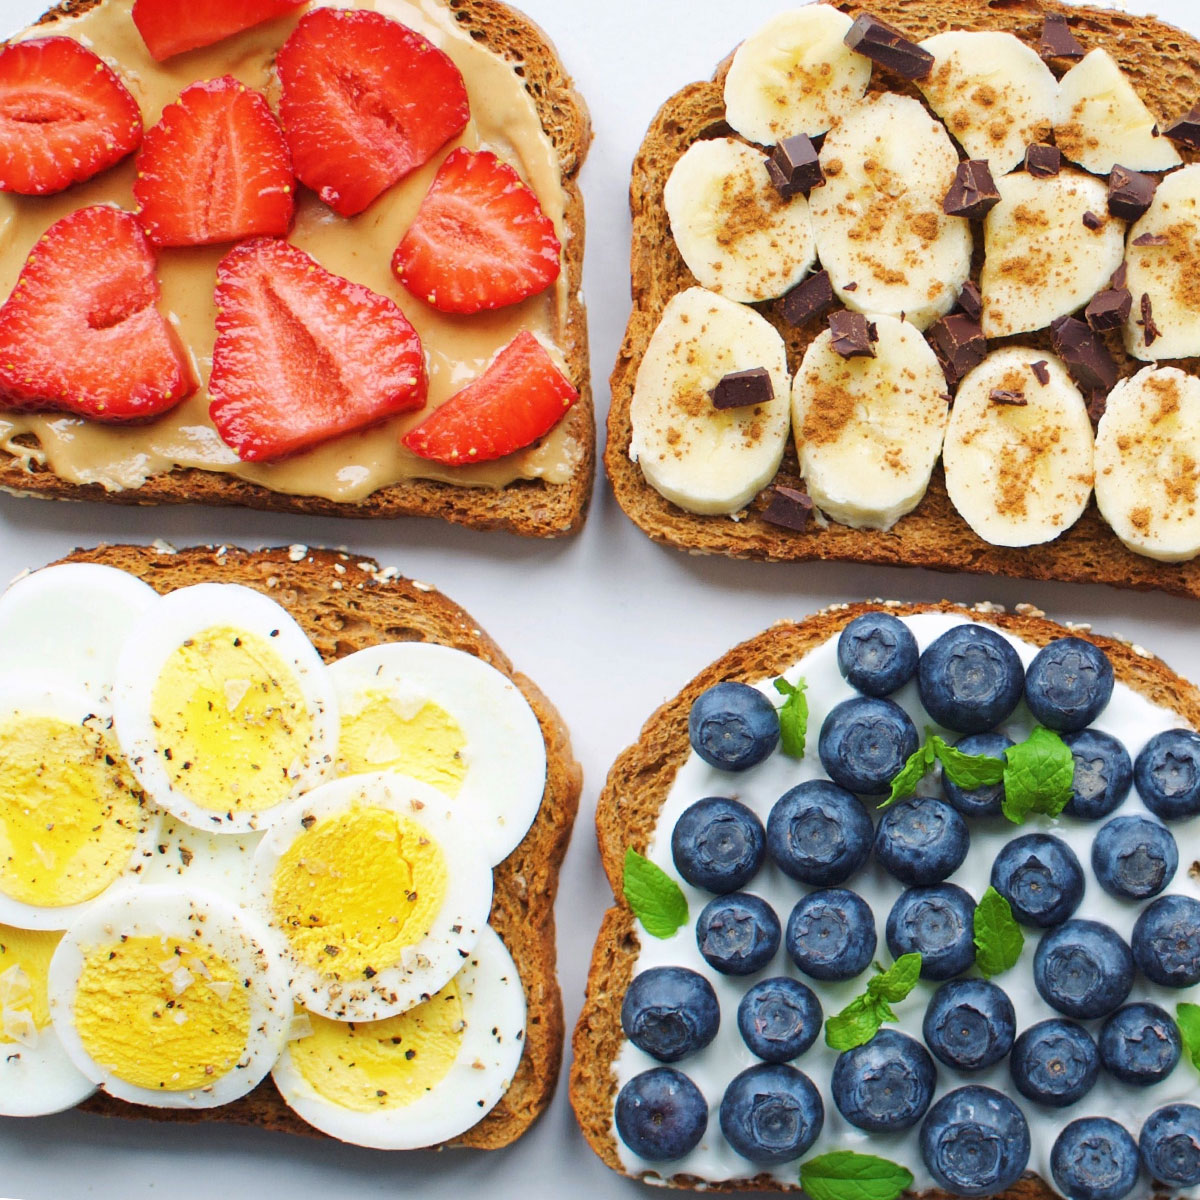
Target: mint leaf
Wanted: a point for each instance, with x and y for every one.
(967, 770)
(848, 1175)
(855, 1025)
(913, 771)
(898, 980)
(793, 717)
(998, 938)
(656, 899)
(1039, 776)
(1187, 1016)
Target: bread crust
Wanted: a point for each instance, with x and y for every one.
(529, 507)
(1164, 65)
(368, 608)
(637, 787)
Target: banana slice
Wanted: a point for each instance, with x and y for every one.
(736, 233)
(881, 232)
(1041, 260)
(704, 459)
(1148, 463)
(869, 430)
(1167, 272)
(795, 75)
(994, 93)
(1100, 120)
(1019, 473)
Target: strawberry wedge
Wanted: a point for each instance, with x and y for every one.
(303, 355)
(81, 333)
(169, 27)
(519, 398)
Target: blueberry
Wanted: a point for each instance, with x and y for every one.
(921, 840)
(1103, 774)
(1166, 941)
(1094, 1158)
(1068, 684)
(733, 726)
(661, 1114)
(877, 654)
(983, 801)
(718, 844)
(1083, 969)
(865, 742)
(1054, 1062)
(771, 1113)
(970, 679)
(831, 934)
(1170, 1145)
(1134, 858)
(819, 833)
(738, 934)
(938, 921)
(1140, 1044)
(670, 1012)
(975, 1141)
(779, 1018)
(886, 1084)
(970, 1024)
(1041, 879)
(1167, 774)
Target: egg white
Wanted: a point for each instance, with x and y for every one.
(190, 858)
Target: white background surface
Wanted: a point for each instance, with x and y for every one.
(608, 624)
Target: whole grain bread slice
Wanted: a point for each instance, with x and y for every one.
(636, 789)
(1163, 64)
(531, 507)
(346, 603)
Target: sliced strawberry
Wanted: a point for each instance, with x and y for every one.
(303, 355)
(81, 333)
(521, 396)
(215, 168)
(365, 100)
(479, 240)
(64, 116)
(170, 27)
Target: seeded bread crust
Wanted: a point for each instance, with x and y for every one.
(531, 508)
(1164, 66)
(637, 788)
(345, 603)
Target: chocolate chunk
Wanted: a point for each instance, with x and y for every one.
(850, 287)
(1149, 239)
(1041, 371)
(1093, 222)
(1186, 131)
(853, 335)
(1057, 39)
(959, 344)
(1086, 356)
(973, 191)
(886, 45)
(808, 299)
(1007, 396)
(1150, 331)
(794, 167)
(1130, 193)
(1118, 276)
(788, 508)
(970, 300)
(740, 389)
(1042, 161)
(1097, 404)
(1109, 309)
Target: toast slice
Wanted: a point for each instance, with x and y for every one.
(636, 789)
(529, 507)
(933, 535)
(346, 603)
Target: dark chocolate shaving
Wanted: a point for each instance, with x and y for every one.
(1042, 161)
(1092, 221)
(1086, 356)
(959, 344)
(1129, 193)
(850, 287)
(1057, 40)
(1150, 331)
(740, 389)
(970, 300)
(1119, 276)
(1041, 371)
(1097, 405)
(1150, 239)
(794, 167)
(886, 45)
(973, 192)
(1007, 396)
(1109, 309)
(808, 299)
(1186, 130)
(789, 508)
(853, 335)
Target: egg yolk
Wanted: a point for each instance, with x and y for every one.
(69, 813)
(427, 744)
(358, 888)
(369, 1065)
(24, 964)
(162, 1013)
(231, 721)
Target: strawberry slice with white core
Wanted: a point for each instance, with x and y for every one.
(81, 333)
(215, 168)
(169, 27)
(303, 355)
(480, 239)
(519, 398)
(65, 116)
(364, 101)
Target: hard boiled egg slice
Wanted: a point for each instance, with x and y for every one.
(419, 1078)
(451, 720)
(36, 1076)
(219, 862)
(223, 707)
(379, 889)
(170, 997)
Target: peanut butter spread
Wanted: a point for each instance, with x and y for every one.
(504, 119)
